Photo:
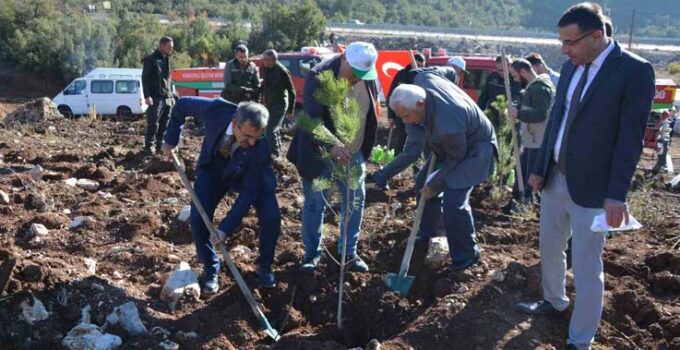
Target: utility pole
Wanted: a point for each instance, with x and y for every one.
(630, 33)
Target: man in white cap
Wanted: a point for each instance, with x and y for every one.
(458, 64)
(356, 65)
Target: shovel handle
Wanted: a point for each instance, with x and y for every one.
(515, 141)
(406, 261)
(227, 259)
(389, 138)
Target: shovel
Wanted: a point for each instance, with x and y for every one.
(401, 282)
(268, 329)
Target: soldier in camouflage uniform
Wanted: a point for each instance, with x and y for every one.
(241, 78)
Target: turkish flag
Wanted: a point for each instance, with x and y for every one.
(388, 64)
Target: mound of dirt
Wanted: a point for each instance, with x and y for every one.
(39, 110)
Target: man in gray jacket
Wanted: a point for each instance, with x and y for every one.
(539, 93)
(463, 139)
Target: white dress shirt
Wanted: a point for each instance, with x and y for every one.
(592, 72)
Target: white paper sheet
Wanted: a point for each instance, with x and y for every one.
(600, 224)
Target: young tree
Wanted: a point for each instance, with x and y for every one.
(345, 114)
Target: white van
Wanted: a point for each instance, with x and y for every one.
(113, 91)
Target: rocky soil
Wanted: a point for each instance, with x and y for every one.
(129, 240)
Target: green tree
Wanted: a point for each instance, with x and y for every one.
(289, 27)
(345, 114)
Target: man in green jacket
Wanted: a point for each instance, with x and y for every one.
(241, 78)
(278, 95)
(539, 93)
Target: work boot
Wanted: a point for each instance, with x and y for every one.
(267, 278)
(454, 268)
(209, 284)
(147, 151)
(310, 264)
(536, 308)
(357, 264)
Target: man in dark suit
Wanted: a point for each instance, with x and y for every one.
(234, 157)
(586, 162)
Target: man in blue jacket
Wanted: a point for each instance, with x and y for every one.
(585, 164)
(234, 157)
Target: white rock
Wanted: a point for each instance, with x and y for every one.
(34, 313)
(71, 182)
(51, 128)
(4, 198)
(106, 195)
(172, 201)
(38, 230)
(116, 275)
(240, 251)
(300, 201)
(85, 314)
(437, 252)
(87, 336)
(498, 276)
(66, 211)
(91, 265)
(395, 205)
(37, 172)
(463, 289)
(169, 345)
(285, 178)
(88, 184)
(184, 214)
(128, 317)
(81, 220)
(181, 281)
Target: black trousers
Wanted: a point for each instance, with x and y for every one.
(157, 116)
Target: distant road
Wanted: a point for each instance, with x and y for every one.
(498, 36)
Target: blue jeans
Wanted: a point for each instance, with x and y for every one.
(456, 217)
(315, 205)
(210, 188)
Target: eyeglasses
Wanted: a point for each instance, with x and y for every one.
(573, 42)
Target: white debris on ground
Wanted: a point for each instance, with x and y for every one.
(127, 316)
(32, 313)
(181, 281)
(437, 252)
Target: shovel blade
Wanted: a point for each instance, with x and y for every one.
(398, 283)
(268, 329)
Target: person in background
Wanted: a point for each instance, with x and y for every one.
(539, 93)
(415, 135)
(399, 132)
(493, 87)
(540, 67)
(458, 64)
(157, 93)
(241, 78)
(278, 95)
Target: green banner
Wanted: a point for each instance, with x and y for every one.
(200, 85)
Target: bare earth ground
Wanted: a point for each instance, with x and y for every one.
(137, 241)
